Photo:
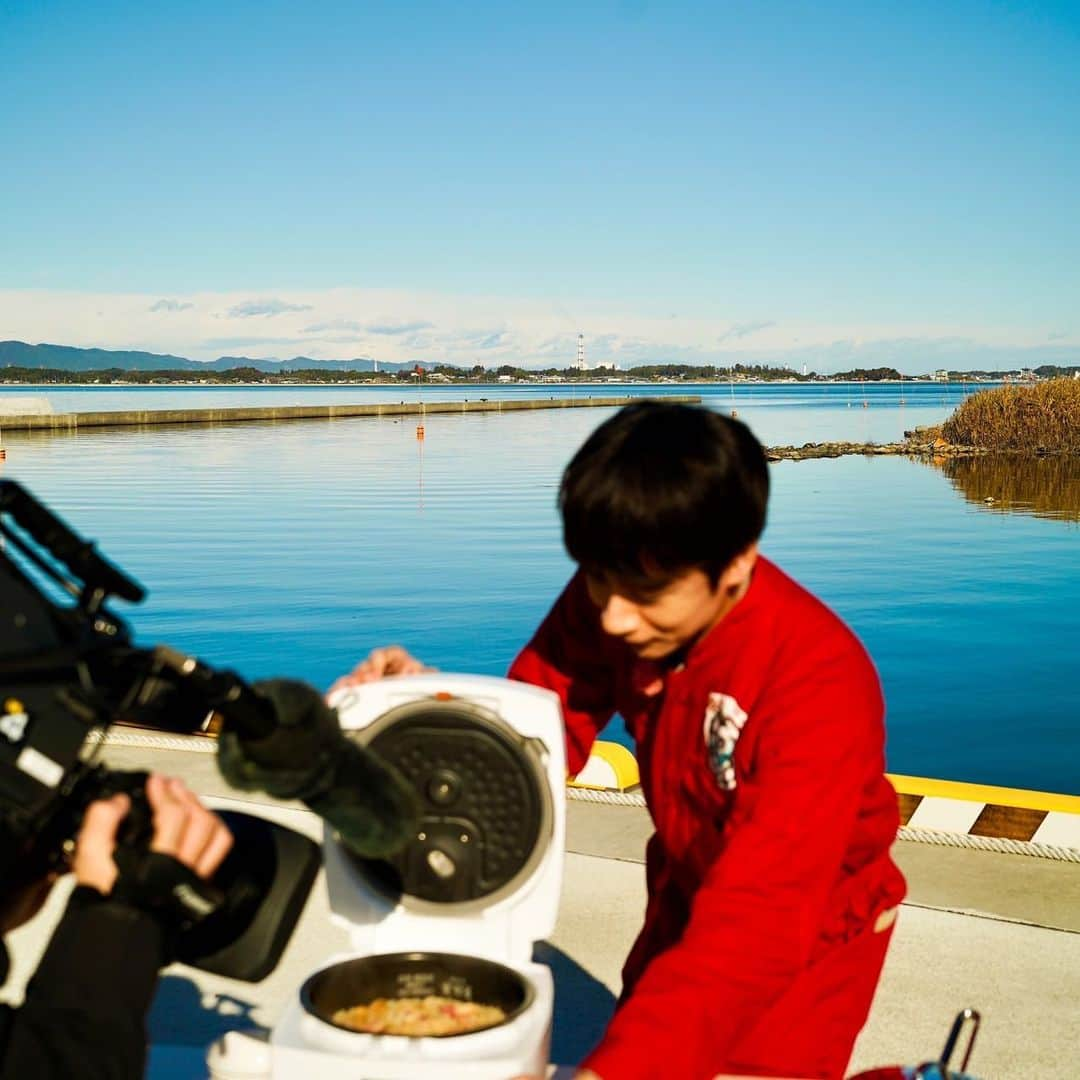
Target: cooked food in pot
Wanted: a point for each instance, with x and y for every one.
(430, 1015)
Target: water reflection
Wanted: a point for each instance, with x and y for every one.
(1046, 487)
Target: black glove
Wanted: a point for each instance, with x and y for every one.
(165, 888)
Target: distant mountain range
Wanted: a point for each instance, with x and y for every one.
(69, 358)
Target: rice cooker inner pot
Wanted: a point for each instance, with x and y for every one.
(418, 974)
(486, 808)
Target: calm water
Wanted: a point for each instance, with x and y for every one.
(294, 548)
(779, 412)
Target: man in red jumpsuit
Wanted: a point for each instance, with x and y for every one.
(758, 722)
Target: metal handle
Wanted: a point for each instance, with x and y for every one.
(961, 1021)
(96, 573)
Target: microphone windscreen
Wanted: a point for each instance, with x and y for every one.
(373, 808)
(293, 761)
(307, 757)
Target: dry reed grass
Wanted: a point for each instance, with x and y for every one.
(1041, 417)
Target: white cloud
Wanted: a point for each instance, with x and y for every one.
(393, 329)
(494, 330)
(740, 330)
(333, 324)
(243, 341)
(268, 308)
(170, 305)
(249, 342)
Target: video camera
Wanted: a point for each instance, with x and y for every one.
(68, 671)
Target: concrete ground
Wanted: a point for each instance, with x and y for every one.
(1000, 933)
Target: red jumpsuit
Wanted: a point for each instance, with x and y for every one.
(771, 890)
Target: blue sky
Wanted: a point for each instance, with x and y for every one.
(830, 183)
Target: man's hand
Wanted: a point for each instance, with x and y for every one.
(183, 828)
(391, 660)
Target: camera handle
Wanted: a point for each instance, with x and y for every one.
(100, 578)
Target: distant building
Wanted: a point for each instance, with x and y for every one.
(580, 362)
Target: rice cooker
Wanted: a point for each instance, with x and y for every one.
(457, 912)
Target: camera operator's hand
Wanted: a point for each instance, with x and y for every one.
(183, 829)
(391, 660)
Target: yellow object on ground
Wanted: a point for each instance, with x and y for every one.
(611, 767)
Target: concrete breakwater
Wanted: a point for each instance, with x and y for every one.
(922, 442)
(70, 422)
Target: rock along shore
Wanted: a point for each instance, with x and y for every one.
(909, 448)
(920, 443)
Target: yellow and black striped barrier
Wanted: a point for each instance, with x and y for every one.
(946, 807)
(1039, 817)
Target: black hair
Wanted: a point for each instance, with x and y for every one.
(660, 489)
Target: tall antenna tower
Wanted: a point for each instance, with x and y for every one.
(580, 352)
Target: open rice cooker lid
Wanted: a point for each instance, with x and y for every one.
(486, 805)
(482, 875)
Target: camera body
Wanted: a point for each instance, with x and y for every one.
(68, 672)
(49, 776)
(45, 788)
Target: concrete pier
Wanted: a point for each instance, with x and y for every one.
(71, 422)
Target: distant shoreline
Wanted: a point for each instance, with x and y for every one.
(204, 384)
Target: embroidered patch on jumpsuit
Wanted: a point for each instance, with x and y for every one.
(724, 720)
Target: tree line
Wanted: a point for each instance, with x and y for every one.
(14, 373)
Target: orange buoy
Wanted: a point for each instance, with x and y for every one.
(419, 432)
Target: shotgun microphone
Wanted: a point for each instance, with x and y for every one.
(306, 756)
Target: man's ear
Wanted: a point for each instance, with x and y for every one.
(737, 572)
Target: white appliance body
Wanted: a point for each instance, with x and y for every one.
(302, 1046)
